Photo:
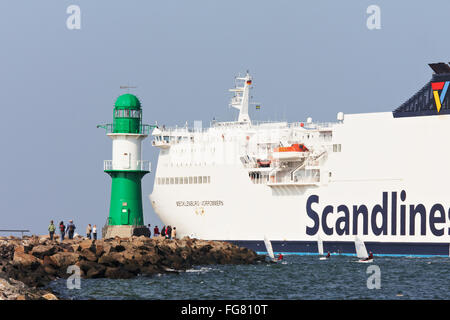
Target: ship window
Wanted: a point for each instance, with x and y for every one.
(186, 180)
(199, 179)
(176, 180)
(195, 180)
(205, 179)
(190, 180)
(167, 180)
(209, 179)
(172, 180)
(166, 138)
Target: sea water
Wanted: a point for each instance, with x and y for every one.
(297, 277)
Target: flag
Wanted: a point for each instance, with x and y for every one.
(258, 107)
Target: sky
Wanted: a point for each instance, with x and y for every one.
(307, 58)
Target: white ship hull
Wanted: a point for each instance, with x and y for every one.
(386, 182)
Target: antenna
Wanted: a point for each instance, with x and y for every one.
(128, 87)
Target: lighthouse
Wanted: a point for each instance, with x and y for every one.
(126, 169)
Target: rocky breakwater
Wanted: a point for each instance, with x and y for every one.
(35, 261)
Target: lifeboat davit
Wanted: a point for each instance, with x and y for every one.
(294, 152)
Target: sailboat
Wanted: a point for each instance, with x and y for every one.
(320, 249)
(361, 251)
(269, 249)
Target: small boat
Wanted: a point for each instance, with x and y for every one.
(361, 251)
(320, 249)
(295, 151)
(269, 249)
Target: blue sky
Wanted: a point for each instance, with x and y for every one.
(308, 59)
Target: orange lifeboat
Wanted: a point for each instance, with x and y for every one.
(294, 152)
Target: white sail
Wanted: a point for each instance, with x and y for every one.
(361, 250)
(269, 248)
(320, 245)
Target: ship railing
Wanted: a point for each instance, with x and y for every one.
(139, 165)
(312, 125)
(307, 177)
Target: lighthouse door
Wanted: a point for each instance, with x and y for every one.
(125, 216)
(125, 160)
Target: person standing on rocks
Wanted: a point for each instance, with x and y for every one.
(94, 231)
(169, 232)
(156, 231)
(62, 230)
(163, 231)
(149, 231)
(174, 233)
(71, 229)
(89, 231)
(51, 230)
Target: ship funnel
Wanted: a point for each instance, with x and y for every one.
(432, 99)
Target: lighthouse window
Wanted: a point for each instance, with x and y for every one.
(135, 113)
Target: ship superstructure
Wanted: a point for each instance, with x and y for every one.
(372, 175)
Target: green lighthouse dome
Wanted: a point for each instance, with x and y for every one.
(127, 101)
(127, 114)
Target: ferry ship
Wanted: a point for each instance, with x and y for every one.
(381, 177)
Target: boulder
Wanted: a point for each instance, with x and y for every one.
(92, 269)
(112, 259)
(64, 259)
(118, 273)
(26, 260)
(87, 254)
(49, 296)
(40, 251)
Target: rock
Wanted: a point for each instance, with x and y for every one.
(49, 296)
(118, 273)
(64, 259)
(87, 254)
(26, 260)
(40, 251)
(112, 259)
(87, 244)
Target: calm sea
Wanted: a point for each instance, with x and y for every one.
(298, 277)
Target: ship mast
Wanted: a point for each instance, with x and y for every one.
(240, 100)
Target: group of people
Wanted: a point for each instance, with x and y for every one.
(91, 231)
(69, 229)
(166, 232)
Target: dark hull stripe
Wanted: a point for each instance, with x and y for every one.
(348, 247)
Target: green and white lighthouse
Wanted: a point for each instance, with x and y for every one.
(126, 169)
